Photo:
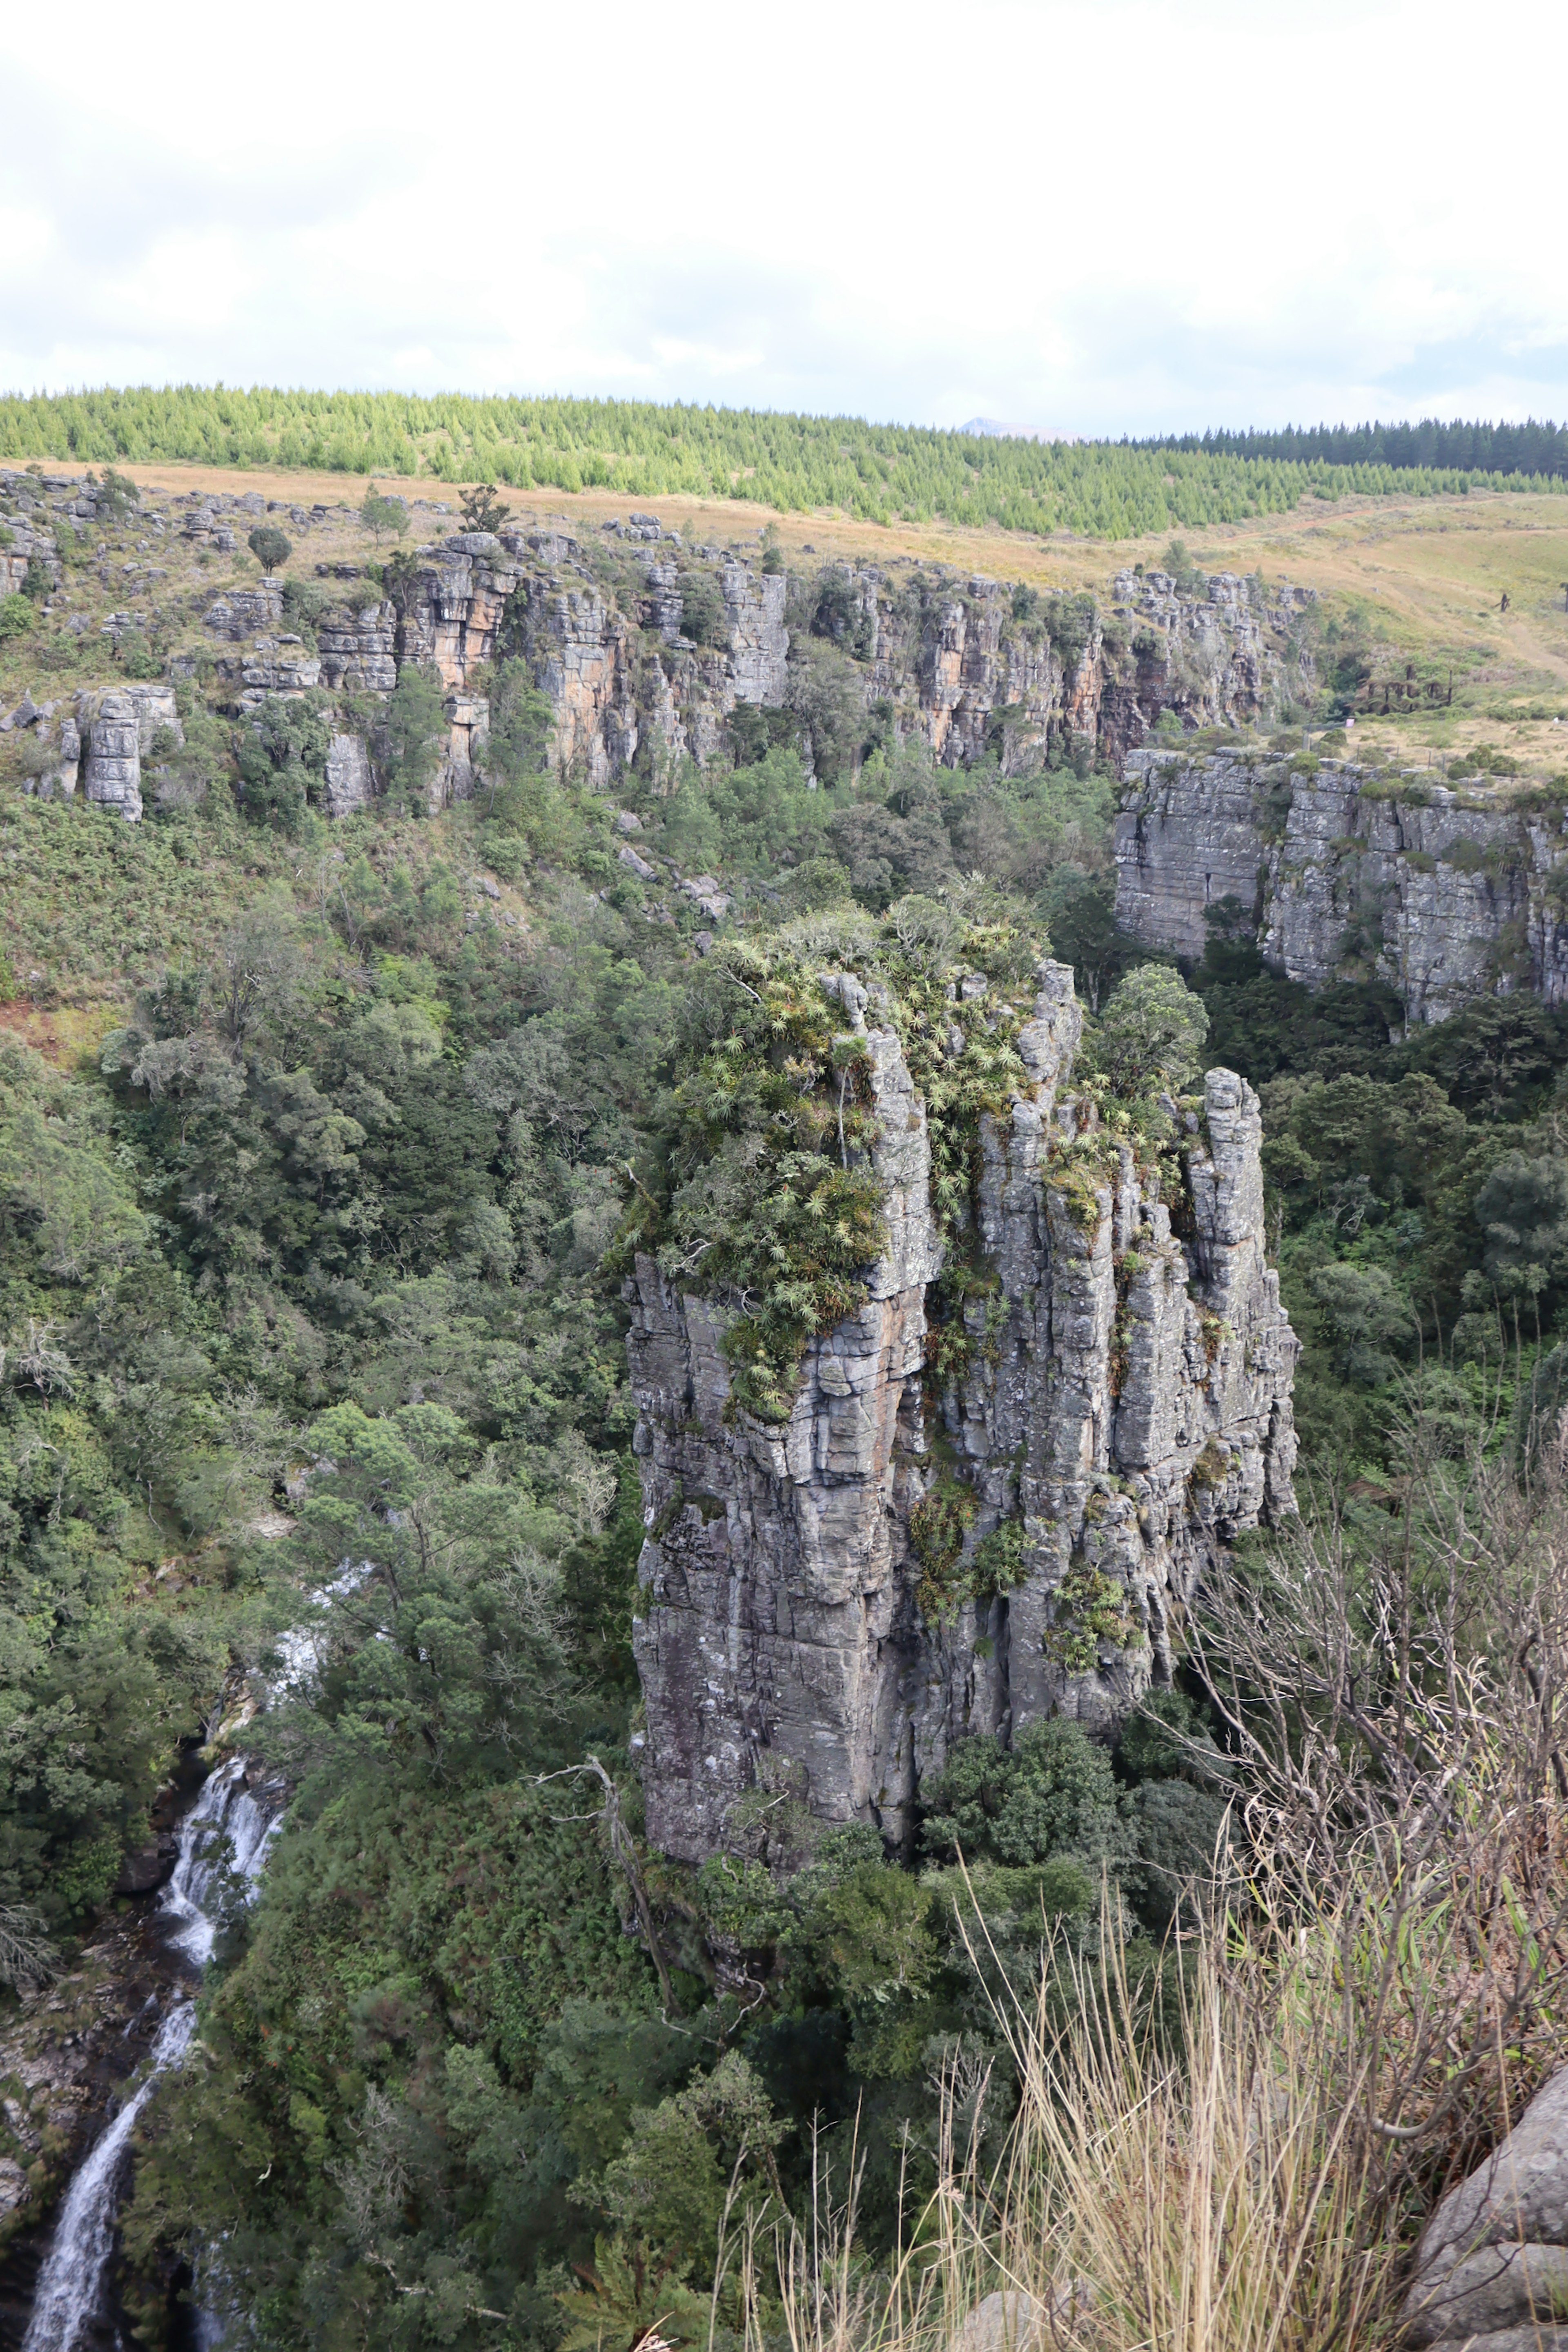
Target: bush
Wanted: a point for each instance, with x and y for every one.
(416, 733)
(381, 514)
(119, 497)
(137, 658)
(704, 618)
(268, 546)
(1150, 1034)
(15, 616)
(1052, 1794)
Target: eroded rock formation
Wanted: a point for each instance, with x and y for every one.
(1344, 872)
(1124, 1406)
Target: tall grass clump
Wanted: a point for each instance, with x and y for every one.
(1232, 2148)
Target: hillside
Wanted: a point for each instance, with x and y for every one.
(793, 464)
(576, 1121)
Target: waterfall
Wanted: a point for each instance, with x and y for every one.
(223, 1846)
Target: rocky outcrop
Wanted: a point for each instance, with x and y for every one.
(1491, 2270)
(118, 732)
(244, 613)
(358, 650)
(349, 785)
(1345, 872)
(967, 664)
(1122, 1406)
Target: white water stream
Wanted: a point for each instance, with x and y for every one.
(223, 1845)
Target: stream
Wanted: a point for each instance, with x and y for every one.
(223, 1839)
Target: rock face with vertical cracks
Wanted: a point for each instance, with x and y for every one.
(1126, 1402)
(1342, 872)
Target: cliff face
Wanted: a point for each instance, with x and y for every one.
(966, 665)
(1125, 1406)
(1342, 871)
(649, 651)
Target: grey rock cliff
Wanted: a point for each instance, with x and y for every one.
(1131, 1408)
(1344, 874)
(950, 656)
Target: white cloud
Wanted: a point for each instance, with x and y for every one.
(1114, 216)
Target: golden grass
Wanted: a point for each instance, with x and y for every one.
(1204, 2191)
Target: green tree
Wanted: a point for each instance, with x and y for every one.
(381, 514)
(268, 546)
(1052, 1795)
(1150, 1035)
(1080, 910)
(119, 497)
(482, 510)
(415, 733)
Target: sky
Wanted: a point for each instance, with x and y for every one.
(1132, 216)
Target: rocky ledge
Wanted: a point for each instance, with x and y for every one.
(1124, 1408)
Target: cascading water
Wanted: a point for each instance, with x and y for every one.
(223, 1846)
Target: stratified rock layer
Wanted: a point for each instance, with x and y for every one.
(1127, 1401)
(1344, 874)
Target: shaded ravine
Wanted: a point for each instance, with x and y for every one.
(223, 1840)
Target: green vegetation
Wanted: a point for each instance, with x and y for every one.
(269, 547)
(878, 472)
(380, 514)
(1531, 448)
(313, 1229)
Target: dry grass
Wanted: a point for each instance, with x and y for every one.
(1204, 2192)
(1245, 2165)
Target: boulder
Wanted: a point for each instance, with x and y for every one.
(1491, 2270)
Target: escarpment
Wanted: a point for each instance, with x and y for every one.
(1343, 872)
(962, 1523)
(649, 651)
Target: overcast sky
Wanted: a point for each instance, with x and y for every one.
(1129, 216)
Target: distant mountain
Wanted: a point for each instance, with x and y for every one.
(996, 429)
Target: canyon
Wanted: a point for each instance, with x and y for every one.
(969, 665)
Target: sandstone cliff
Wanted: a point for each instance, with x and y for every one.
(1123, 1406)
(650, 651)
(1345, 872)
(965, 664)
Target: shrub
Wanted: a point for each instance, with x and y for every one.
(268, 546)
(1053, 1794)
(1149, 1037)
(482, 510)
(702, 616)
(15, 616)
(380, 514)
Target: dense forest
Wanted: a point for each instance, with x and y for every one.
(311, 1309)
(1435, 443)
(880, 473)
